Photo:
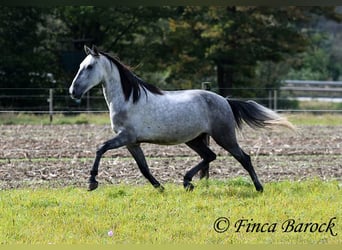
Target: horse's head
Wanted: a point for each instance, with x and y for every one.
(90, 73)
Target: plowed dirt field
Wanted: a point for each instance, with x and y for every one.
(62, 155)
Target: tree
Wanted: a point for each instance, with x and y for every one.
(24, 62)
(173, 47)
(235, 39)
(117, 29)
(322, 59)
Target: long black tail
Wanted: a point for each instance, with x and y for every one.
(256, 115)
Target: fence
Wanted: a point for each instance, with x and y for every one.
(48, 100)
(56, 101)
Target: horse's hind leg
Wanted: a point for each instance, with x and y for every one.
(204, 172)
(199, 146)
(139, 157)
(232, 147)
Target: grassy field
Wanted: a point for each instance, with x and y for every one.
(59, 119)
(309, 119)
(140, 214)
(103, 118)
(317, 105)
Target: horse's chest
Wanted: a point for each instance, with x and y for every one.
(118, 120)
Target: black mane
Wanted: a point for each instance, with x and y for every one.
(130, 82)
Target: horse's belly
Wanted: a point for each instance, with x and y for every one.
(167, 135)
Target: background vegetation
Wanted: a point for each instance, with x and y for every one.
(173, 47)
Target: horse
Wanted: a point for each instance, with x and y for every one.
(143, 113)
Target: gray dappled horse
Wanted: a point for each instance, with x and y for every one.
(140, 112)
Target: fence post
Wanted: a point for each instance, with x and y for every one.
(88, 100)
(206, 85)
(275, 100)
(50, 100)
(270, 99)
(205, 171)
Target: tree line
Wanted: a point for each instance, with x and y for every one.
(173, 47)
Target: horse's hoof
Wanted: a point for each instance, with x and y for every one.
(93, 185)
(160, 188)
(260, 189)
(189, 187)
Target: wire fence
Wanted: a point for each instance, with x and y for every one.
(57, 101)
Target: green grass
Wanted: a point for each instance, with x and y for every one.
(58, 119)
(309, 119)
(317, 105)
(140, 214)
(103, 119)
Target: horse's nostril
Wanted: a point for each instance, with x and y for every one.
(72, 91)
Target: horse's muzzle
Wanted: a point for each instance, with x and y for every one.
(74, 94)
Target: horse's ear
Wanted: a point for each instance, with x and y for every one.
(92, 51)
(87, 50)
(95, 51)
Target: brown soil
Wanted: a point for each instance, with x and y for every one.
(62, 155)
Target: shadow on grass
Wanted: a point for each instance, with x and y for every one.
(237, 187)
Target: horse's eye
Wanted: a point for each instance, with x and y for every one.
(89, 67)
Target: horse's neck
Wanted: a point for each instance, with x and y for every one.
(113, 93)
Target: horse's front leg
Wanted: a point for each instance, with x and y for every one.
(121, 139)
(139, 157)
